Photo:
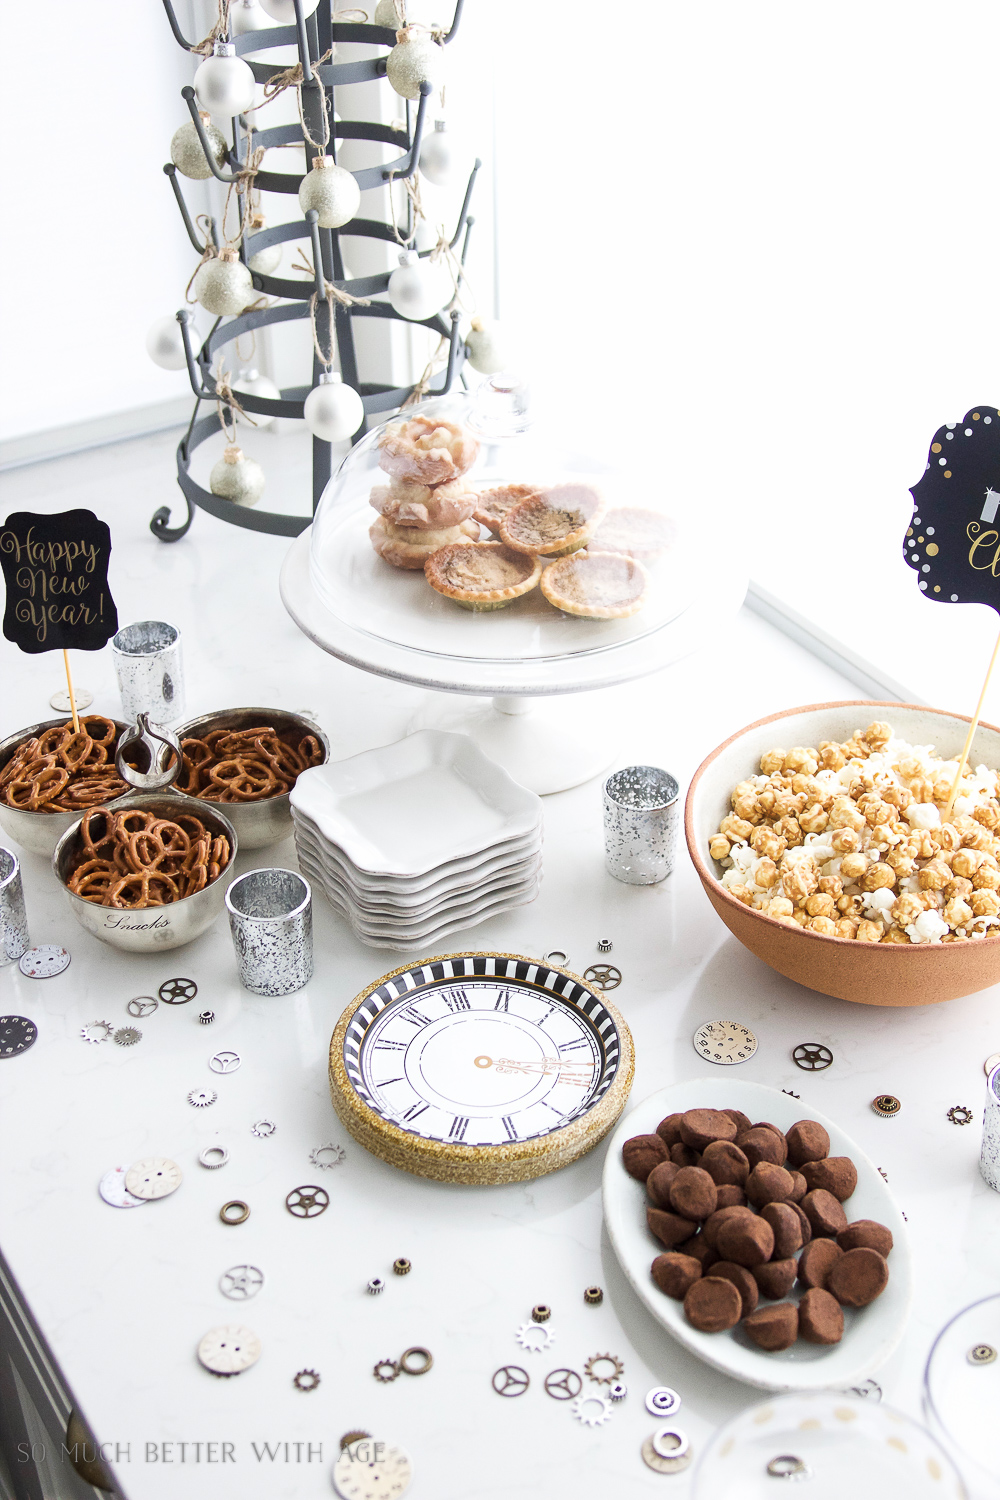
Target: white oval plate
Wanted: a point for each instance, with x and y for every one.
(870, 1333)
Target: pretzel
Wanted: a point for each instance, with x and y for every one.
(245, 778)
(132, 859)
(87, 776)
(246, 765)
(93, 880)
(137, 891)
(31, 794)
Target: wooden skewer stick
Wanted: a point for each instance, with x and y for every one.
(969, 737)
(72, 700)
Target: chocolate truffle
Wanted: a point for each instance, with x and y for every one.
(835, 1174)
(713, 1304)
(773, 1328)
(739, 1119)
(725, 1163)
(768, 1184)
(730, 1196)
(807, 1229)
(692, 1193)
(821, 1320)
(858, 1277)
(742, 1281)
(866, 1234)
(701, 1250)
(670, 1229)
(787, 1228)
(674, 1274)
(766, 1125)
(816, 1260)
(684, 1156)
(641, 1154)
(749, 1242)
(799, 1187)
(824, 1213)
(716, 1221)
(807, 1141)
(700, 1127)
(760, 1145)
(669, 1130)
(777, 1278)
(658, 1183)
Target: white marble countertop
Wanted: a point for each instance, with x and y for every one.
(124, 1297)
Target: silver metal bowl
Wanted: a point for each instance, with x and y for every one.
(270, 820)
(156, 928)
(38, 832)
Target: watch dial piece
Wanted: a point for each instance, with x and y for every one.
(113, 1190)
(725, 1042)
(44, 962)
(229, 1350)
(153, 1177)
(371, 1470)
(17, 1034)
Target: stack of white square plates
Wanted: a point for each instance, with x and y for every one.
(419, 839)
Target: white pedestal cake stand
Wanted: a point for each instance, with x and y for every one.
(547, 739)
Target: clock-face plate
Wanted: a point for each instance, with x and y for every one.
(480, 1068)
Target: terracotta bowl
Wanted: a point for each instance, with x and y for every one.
(869, 973)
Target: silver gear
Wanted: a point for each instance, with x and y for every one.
(127, 1036)
(535, 1337)
(201, 1098)
(263, 1128)
(592, 1410)
(96, 1031)
(618, 1391)
(327, 1156)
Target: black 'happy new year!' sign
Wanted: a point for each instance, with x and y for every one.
(56, 572)
(953, 540)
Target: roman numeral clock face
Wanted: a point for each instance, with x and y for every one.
(480, 1068)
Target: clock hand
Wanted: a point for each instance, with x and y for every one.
(570, 1071)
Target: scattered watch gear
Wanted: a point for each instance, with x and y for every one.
(17, 1034)
(597, 1359)
(113, 1190)
(662, 1401)
(44, 962)
(206, 1017)
(867, 1388)
(660, 1465)
(240, 1283)
(153, 1177)
(375, 1286)
(591, 1409)
(401, 1266)
(96, 1031)
(308, 1380)
(386, 1371)
(234, 1212)
(535, 1337)
(229, 1349)
(307, 1202)
(352, 1437)
(788, 1466)
(177, 991)
(593, 1295)
(127, 1036)
(142, 1005)
(563, 1384)
(225, 1062)
(981, 1354)
(424, 1354)
(207, 1153)
(724, 1042)
(960, 1114)
(327, 1156)
(991, 1062)
(886, 1105)
(368, 1470)
(263, 1128)
(617, 1391)
(202, 1098)
(812, 1057)
(556, 957)
(603, 977)
(670, 1442)
(604, 945)
(541, 1312)
(510, 1381)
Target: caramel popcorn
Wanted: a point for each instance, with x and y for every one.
(848, 841)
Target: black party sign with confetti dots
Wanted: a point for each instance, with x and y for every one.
(953, 541)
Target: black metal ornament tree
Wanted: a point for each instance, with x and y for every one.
(312, 36)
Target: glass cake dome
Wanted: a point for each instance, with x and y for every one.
(586, 559)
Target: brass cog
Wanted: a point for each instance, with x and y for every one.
(611, 1359)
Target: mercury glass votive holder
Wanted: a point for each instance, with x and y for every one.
(270, 917)
(641, 820)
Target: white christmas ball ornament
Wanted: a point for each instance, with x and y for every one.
(223, 285)
(413, 61)
(187, 152)
(265, 261)
(419, 288)
(165, 344)
(332, 191)
(253, 383)
(333, 411)
(485, 348)
(224, 84)
(440, 161)
(247, 15)
(236, 478)
(284, 10)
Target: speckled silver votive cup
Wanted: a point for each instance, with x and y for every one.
(13, 919)
(270, 917)
(147, 657)
(989, 1159)
(641, 820)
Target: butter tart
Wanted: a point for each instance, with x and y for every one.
(644, 534)
(427, 451)
(405, 547)
(493, 504)
(596, 585)
(554, 521)
(482, 575)
(423, 506)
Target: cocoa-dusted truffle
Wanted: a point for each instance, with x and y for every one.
(669, 1130)
(715, 1222)
(693, 1193)
(766, 1125)
(641, 1154)
(776, 1278)
(701, 1250)
(684, 1156)
(670, 1229)
(821, 1320)
(799, 1187)
(824, 1212)
(674, 1273)
(700, 1127)
(836, 1174)
(866, 1234)
(787, 1228)
(713, 1304)
(807, 1141)
(768, 1184)
(739, 1119)
(773, 1328)
(816, 1260)
(760, 1145)
(729, 1196)
(725, 1163)
(658, 1183)
(807, 1229)
(858, 1277)
(742, 1281)
(749, 1242)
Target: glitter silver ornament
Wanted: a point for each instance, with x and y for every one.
(187, 152)
(413, 61)
(483, 343)
(386, 14)
(333, 411)
(224, 84)
(223, 285)
(331, 190)
(237, 478)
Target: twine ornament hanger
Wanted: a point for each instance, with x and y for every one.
(218, 33)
